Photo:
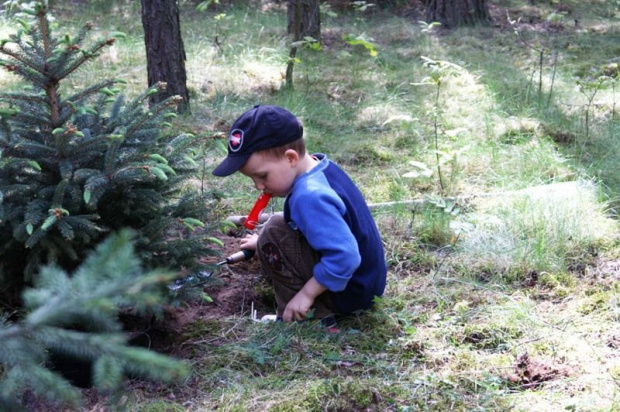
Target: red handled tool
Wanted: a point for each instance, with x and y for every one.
(261, 203)
(250, 223)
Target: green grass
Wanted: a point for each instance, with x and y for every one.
(522, 258)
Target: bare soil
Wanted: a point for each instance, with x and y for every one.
(529, 373)
(234, 291)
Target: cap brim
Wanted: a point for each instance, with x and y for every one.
(230, 165)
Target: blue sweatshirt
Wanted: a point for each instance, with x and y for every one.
(330, 211)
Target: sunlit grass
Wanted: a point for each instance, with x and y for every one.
(543, 229)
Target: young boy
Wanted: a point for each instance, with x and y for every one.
(325, 252)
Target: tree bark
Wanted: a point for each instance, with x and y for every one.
(304, 19)
(454, 13)
(165, 53)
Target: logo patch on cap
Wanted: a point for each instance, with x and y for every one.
(235, 140)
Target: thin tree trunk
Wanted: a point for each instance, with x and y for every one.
(165, 53)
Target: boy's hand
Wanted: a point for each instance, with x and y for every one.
(298, 307)
(249, 242)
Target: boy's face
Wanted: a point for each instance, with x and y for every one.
(270, 174)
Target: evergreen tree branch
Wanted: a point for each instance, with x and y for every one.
(13, 64)
(87, 92)
(77, 315)
(86, 56)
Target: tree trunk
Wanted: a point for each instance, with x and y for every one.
(454, 13)
(304, 19)
(165, 54)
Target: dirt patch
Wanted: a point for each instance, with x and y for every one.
(235, 290)
(529, 373)
(238, 284)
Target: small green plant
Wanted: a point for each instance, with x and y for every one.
(541, 46)
(218, 19)
(308, 43)
(439, 71)
(361, 41)
(589, 86)
(326, 9)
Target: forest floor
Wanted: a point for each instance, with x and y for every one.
(531, 379)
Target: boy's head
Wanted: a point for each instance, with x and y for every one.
(259, 129)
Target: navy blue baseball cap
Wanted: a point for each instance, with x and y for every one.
(260, 128)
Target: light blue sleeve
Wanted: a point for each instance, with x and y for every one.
(319, 216)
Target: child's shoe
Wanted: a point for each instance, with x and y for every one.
(330, 325)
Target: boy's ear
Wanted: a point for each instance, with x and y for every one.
(292, 156)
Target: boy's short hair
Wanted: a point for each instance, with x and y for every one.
(261, 128)
(277, 152)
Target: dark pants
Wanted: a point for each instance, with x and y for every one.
(287, 259)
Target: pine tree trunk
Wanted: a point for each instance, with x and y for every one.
(304, 19)
(454, 13)
(165, 53)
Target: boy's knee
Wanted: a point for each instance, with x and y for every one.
(269, 243)
(273, 227)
